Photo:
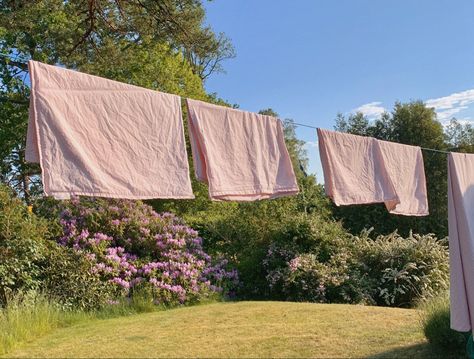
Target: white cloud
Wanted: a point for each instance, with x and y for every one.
(311, 144)
(448, 106)
(371, 109)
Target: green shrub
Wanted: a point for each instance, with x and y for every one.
(69, 279)
(313, 259)
(241, 233)
(22, 246)
(401, 271)
(31, 262)
(436, 326)
(309, 279)
(309, 260)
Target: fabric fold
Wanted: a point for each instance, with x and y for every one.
(364, 170)
(241, 155)
(461, 240)
(97, 137)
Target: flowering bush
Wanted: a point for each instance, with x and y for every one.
(135, 248)
(315, 261)
(303, 277)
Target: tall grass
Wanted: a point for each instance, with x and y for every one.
(436, 326)
(27, 318)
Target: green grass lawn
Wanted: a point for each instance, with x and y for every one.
(243, 329)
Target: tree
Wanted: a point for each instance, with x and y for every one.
(460, 137)
(412, 124)
(356, 124)
(161, 45)
(75, 32)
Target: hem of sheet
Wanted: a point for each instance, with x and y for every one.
(354, 202)
(253, 190)
(248, 197)
(414, 214)
(253, 197)
(63, 194)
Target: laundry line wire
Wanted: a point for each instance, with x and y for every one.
(288, 121)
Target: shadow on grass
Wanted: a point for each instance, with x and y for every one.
(417, 351)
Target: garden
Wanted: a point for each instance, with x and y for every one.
(71, 263)
(288, 277)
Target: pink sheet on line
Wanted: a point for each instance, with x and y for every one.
(363, 170)
(461, 239)
(241, 155)
(97, 137)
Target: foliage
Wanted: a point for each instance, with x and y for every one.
(437, 329)
(412, 124)
(460, 136)
(69, 279)
(311, 261)
(151, 65)
(315, 260)
(76, 32)
(29, 262)
(134, 248)
(402, 271)
(22, 246)
(242, 233)
(14, 171)
(307, 279)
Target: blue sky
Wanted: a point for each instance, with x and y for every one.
(310, 59)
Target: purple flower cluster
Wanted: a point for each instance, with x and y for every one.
(133, 246)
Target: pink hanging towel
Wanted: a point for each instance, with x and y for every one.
(461, 239)
(363, 170)
(97, 137)
(241, 155)
(406, 171)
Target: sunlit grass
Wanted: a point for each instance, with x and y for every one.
(244, 329)
(29, 317)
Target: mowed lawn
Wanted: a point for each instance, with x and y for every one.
(243, 329)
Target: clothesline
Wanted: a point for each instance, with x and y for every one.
(293, 123)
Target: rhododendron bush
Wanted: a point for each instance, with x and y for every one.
(133, 247)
